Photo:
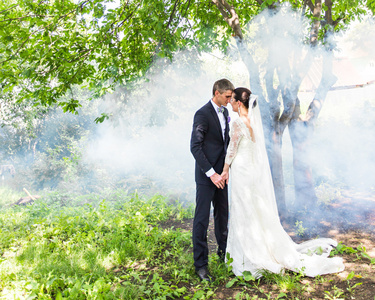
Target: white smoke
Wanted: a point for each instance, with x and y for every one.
(149, 133)
(151, 136)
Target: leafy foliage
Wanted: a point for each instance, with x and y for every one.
(119, 246)
(46, 48)
(91, 247)
(44, 145)
(360, 252)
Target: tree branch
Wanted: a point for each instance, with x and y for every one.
(186, 9)
(327, 81)
(28, 16)
(328, 13)
(310, 5)
(227, 10)
(168, 24)
(172, 14)
(8, 8)
(328, 78)
(127, 18)
(35, 31)
(272, 94)
(317, 11)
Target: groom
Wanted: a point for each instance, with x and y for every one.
(209, 142)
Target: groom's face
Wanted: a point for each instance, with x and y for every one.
(224, 98)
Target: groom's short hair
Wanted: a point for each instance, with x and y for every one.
(222, 85)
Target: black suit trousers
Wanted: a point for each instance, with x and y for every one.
(205, 195)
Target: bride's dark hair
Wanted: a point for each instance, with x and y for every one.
(243, 94)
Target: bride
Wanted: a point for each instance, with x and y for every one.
(256, 238)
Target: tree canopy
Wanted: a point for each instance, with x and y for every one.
(49, 50)
(47, 47)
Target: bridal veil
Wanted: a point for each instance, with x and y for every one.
(256, 239)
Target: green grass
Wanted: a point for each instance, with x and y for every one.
(114, 246)
(92, 247)
(9, 196)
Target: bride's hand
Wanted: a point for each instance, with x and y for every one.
(225, 176)
(225, 173)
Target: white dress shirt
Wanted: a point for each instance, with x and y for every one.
(221, 117)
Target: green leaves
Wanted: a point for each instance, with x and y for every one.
(70, 106)
(102, 118)
(64, 249)
(371, 259)
(48, 47)
(350, 275)
(231, 282)
(63, 43)
(371, 5)
(267, 3)
(246, 277)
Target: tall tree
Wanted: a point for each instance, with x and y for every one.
(326, 17)
(48, 47)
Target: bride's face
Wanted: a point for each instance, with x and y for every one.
(234, 104)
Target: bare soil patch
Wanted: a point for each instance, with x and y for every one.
(349, 220)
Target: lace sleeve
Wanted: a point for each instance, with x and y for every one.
(236, 135)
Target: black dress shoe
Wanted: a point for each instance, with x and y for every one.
(203, 274)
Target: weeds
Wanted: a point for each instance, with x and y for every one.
(112, 246)
(54, 251)
(335, 294)
(350, 287)
(326, 193)
(360, 252)
(300, 230)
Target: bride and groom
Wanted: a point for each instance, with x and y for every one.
(254, 237)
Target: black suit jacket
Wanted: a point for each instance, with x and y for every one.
(207, 144)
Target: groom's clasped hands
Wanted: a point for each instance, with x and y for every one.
(220, 180)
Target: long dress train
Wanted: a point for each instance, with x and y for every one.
(256, 239)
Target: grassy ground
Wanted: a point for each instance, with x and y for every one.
(119, 246)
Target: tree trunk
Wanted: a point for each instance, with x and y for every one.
(301, 129)
(300, 134)
(273, 123)
(273, 135)
(276, 165)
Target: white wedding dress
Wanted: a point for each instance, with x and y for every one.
(256, 238)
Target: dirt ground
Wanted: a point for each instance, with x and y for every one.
(349, 220)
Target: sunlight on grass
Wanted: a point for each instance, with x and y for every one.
(50, 250)
(120, 246)
(9, 196)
